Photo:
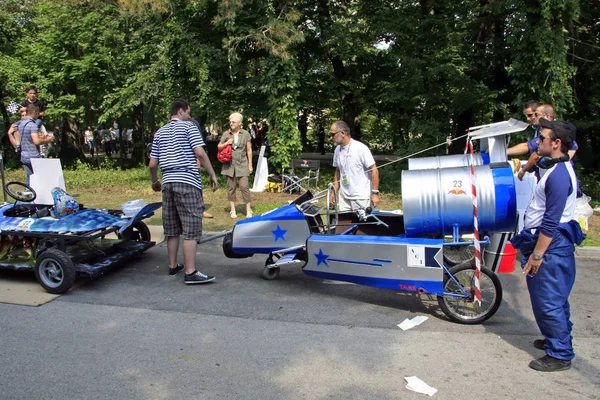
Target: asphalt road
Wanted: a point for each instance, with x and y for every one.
(140, 334)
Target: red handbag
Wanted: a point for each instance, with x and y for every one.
(224, 155)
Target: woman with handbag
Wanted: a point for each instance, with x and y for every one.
(240, 165)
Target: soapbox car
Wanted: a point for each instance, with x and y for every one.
(367, 247)
(86, 242)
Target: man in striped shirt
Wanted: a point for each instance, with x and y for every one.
(176, 148)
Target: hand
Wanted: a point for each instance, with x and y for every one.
(230, 141)
(532, 267)
(521, 174)
(214, 183)
(332, 197)
(156, 186)
(250, 168)
(375, 199)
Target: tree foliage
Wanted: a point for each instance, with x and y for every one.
(414, 72)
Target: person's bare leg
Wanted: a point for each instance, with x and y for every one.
(232, 208)
(172, 249)
(248, 210)
(189, 255)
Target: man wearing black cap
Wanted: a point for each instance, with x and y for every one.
(547, 244)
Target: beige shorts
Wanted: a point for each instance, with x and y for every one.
(352, 205)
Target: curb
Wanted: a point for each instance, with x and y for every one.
(588, 253)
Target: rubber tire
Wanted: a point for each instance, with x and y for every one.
(466, 254)
(270, 273)
(459, 318)
(138, 232)
(63, 262)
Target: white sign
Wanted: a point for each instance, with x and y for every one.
(416, 256)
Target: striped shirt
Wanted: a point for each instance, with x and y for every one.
(173, 147)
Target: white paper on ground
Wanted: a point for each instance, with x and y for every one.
(417, 385)
(411, 323)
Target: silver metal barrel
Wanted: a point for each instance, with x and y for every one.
(434, 200)
(454, 160)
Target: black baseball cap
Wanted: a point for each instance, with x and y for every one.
(563, 130)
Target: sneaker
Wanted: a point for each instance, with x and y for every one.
(197, 277)
(550, 364)
(178, 268)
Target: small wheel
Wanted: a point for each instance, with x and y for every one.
(138, 232)
(55, 271)
(270, 273)
(465, 310)
(20, 191)
(454, 255)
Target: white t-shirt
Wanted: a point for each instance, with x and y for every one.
(353, 162)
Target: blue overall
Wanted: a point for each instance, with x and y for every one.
(549, 289)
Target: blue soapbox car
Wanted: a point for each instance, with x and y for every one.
(369, 248)
(58, 246)
(426, 248)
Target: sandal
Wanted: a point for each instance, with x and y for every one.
(233, 215)
(249, 214)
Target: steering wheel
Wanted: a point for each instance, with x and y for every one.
(20, 191)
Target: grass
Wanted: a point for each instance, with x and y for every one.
(110, 188)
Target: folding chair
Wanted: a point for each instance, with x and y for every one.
(293, 182)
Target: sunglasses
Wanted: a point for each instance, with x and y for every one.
(530, 115)
(542, 138)
(333, 133)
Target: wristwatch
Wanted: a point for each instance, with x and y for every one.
(537, 256)
(375, 191)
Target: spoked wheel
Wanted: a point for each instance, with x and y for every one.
(270, 273)
(55, 271)
(454, 255)
(465, 310)
(138, 232)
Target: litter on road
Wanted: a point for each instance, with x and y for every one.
(411, 323)
(417, 385)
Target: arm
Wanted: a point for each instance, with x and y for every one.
(38, 140)
(518, 150)
(14, 136)
(153, 169)
(249, 151)
(374, 184)
(533, 159)
(205, 162)
(336, 185)
(222, 143)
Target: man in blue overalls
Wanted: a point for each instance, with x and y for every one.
(547, 244)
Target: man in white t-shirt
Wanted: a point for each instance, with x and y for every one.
(356, 175)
